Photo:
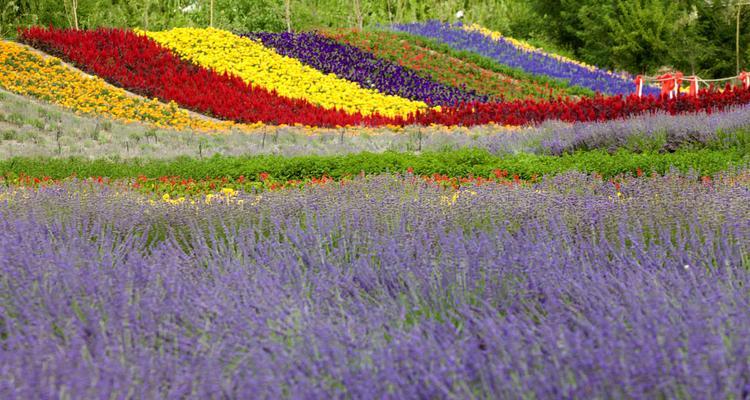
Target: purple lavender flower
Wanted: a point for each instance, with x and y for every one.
(353, 64)
(386, 287)
(507, 53)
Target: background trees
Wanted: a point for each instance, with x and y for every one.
(635, 35)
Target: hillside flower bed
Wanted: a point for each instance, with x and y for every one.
(258, 65)
(28, 74)
(353, 64)
(139, 64)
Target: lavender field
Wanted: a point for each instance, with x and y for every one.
(386, 287)
(274, 200)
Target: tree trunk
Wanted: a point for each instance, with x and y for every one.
(737, 39)
(288, 14)
(74, 10)
(390, 13)
(145, 14)
(358, 14)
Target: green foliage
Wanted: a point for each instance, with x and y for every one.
(459, 163)
(635, 35)
(644, 35)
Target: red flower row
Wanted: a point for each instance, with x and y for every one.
(140, 65)
(587, 109)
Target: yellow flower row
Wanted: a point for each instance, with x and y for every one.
(494, 35)
(224, 51)
(28, 74)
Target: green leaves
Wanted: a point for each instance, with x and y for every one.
(459, 163)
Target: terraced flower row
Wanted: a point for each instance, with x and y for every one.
(510, 53)
(221, 85)
(464, 163)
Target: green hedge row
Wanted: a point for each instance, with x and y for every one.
(459, 163)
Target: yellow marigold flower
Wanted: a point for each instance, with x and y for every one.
(229, 192)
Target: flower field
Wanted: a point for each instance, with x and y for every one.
(363, 68)
(383, 287)
(452, 68)
(357, 79)
(29, 74)
(415, 211)
(515, 54)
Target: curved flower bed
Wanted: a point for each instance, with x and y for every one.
(443, 67)
(139, 64)
(28, 74)
(364, 68)
(508, 53)
(223, 52)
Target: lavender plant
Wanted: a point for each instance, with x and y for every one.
(650, 132)
(359, 66)
(536, 63)
(82, 136)
(382, 288)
